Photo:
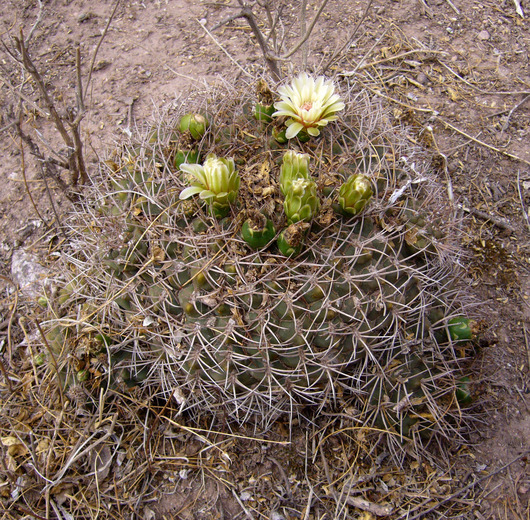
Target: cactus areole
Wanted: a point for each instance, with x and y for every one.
(233, 287)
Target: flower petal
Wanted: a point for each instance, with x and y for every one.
(293, 129)
(206, 194)
(186, 193)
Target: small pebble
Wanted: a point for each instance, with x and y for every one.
(483, 35)
(422, 79)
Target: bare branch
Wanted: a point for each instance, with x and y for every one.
(303, 9)
(269, 59)
(35, 25)
(223, 49)
(23, 168)
(32, 70)
(304, 37)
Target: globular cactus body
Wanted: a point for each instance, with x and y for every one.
(201, 305)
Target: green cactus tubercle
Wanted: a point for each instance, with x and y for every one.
(460, 329)
(291, 240)
(195, 124)
(263, 112)
(185, 157)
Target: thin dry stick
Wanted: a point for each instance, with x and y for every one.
(224, 50)
(303, 8)
(482, 143)
(304, 37)
(271, 59)
(76, 455)
(36, 24)
(53, 358)
(487, 92)
(339, 52)
(498, 221)
(510, 113)
(525, 211)
(75, 122)
(11, 317)
(457, 493)
(21, 95)
(44, 167)
(35, 74)
(453, 7)
(23, 168)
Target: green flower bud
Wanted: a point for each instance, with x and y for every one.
(459, 329)
(195, 124)
(185, 156)
(294, 166)
(354, 194)
(264, 112)
(216, 182)
(301, 202)
(257, 231)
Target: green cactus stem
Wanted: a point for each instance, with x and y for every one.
(354, 194)
(303, 136)
(279, 135)
(195, 124)
(462, 393)
(185, 157)
(257, 231)
(263, 112)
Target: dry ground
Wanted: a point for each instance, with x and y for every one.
(457, 74)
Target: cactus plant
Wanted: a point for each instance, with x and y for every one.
(342, 313)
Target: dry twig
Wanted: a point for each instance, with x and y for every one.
(273, 57)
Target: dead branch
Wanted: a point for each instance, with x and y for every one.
(272, 57)
(68, 125)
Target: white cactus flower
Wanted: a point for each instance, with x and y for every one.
(216, 182)
(309, 103)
